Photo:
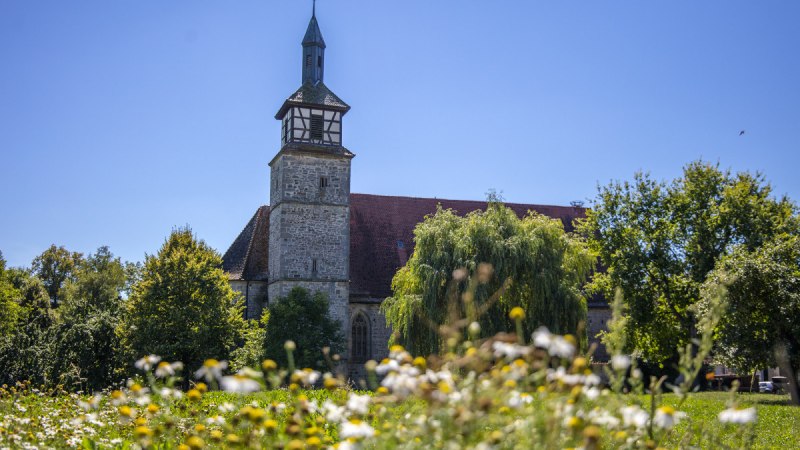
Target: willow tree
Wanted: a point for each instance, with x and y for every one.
(480, 266)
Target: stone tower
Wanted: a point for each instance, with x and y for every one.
(309, 225)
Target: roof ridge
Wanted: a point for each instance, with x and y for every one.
(256, 217)
(463, 200)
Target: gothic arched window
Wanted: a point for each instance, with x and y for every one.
(358, 338)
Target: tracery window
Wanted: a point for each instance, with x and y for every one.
(358, 338)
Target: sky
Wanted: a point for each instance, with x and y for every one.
(122, 120)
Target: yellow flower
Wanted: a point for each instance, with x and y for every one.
(294, 444)
(331, 383)
(199, 428)
(125, 411)
(270, 425)
(232, 439)
(420, 362)
(141, 421)
(194, 395)
(142, 432)
(195, 443)
(216, 435)
(152, 408)
(202, 387)
(313, 441)
(516, 313)
(592, 433)
(269, 365)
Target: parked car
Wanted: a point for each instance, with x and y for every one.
(766, 387)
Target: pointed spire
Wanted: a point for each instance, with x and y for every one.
(313, 51)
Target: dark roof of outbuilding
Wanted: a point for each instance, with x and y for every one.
(248, 256)
(310, 94)
(381, 237)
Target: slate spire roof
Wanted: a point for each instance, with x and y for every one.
(313, 34)
(381, 238)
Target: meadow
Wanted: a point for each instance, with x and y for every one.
(48, 420)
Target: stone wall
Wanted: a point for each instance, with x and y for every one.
(304, 235)
(378, 335)
(296, 178)
(255, 296)
(597, 321)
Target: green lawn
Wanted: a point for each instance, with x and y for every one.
(46, 421)
(777, 426)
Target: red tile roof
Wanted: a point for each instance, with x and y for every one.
(382, 234)
(381, 237)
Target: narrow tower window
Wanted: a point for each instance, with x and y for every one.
(323, 182)
(308, 60)
(314, 266)
(319, 61)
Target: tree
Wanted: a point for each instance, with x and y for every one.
(304, 318)
(530, 262)
(85, 351)
(762, 326)
(659, 241)
(54, 267)
(183, 308)
(24, 352)
(9, 307)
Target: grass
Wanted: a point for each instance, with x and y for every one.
(777, 427)
(47, 420)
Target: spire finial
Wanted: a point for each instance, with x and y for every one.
(314, 8)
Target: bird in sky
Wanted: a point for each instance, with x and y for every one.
(741, 133)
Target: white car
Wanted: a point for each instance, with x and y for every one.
(766, 387)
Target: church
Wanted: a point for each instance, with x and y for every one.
(318, 235)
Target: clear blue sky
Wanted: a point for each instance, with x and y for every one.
(122, 119)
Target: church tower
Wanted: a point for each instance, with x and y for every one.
(309, 224)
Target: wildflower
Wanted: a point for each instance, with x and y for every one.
(518, 400)
(358, 404)
(118, 398)
(666, 417)
(147, 362)
(240, 384)
(195, 443)
(142, 432)
(561, 347)
(334, 412)
(269, 365)
(226, 407)
(739, 416)
(474, 329)
(170, 393)
(92, 404)
(165, 369)
(542, 338)
(306, 376)
(510, 351)
(270, 425)
(634, 416)
(211, 370)
(289, 346)
(516, 313)
(215, 420)
(194, 395)
(620, 362)
(355, 428)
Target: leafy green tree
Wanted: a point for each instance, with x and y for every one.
(85, 351)
(183, 308)
(302, 317)
(503, 261)
(24, 352)
(9, 307)
(55, 266)
(251, 354)
(658, 241)
(762, 326)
